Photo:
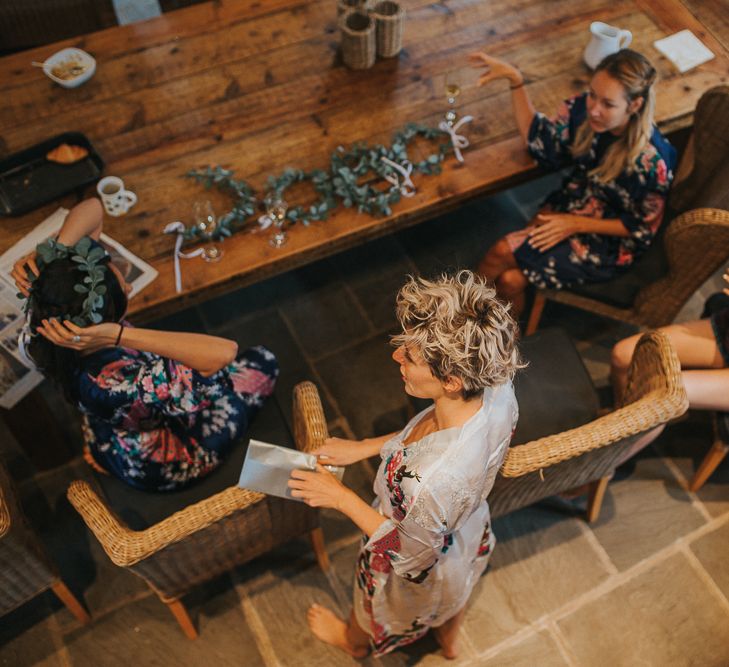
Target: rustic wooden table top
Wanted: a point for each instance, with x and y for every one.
(258, 86)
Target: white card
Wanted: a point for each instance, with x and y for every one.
(684, 50)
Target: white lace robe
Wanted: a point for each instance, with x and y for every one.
(419, 568)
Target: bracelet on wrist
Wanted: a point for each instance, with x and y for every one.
(518, 85)
(119, 335)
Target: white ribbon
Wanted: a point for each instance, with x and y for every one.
(264, 222)
(407, 188)
(458, 140)
(179, 229)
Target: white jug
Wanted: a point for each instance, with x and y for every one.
(605, 40)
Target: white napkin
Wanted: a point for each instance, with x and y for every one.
(684, 50)
(267, 468)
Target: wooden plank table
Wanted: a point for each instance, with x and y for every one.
(257, 86)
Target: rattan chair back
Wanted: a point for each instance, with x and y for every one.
(556, 463)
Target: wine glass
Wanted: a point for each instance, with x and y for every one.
(276, 209)
(206, 221)
(452, 91)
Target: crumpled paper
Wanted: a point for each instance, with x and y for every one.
(268, 467)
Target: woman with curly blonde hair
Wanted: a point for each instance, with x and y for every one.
(427, 536)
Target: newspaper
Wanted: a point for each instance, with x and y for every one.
(17, 373)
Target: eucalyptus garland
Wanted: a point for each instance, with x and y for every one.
(354, 179)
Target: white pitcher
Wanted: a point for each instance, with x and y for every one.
(606, 39)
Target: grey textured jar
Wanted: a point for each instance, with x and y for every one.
(359, 49)
(389, 20)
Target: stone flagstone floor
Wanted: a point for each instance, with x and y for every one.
(647, 584)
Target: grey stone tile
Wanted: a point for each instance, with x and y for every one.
(281, 601)
(189, 320)
(458, 239)
(687, 443)
(27, 634)
(541, 561)
(81, 561)
(711, 550)
(377, 297)
(643, 514)
(366, 384)
(664, 616)
(325, 320)
(146, 633)
(223, 311)
(365, 263)
(539, 649)
(269, 329)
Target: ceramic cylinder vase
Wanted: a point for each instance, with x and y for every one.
(344, 6)
(389, 19)
(359, 49)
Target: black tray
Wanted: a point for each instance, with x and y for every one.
(28, 180)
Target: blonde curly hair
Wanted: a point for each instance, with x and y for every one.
(460, 329)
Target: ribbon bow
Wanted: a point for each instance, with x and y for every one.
(179, 229)
(458, 140)
(407, 188)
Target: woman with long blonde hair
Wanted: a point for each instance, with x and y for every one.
(611, 203)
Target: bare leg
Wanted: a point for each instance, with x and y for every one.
(331, 629)
(498, 259)
(694, 343)
(696, 347)
(511, 287)
(447, 635)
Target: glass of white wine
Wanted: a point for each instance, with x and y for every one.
(452, 91)
(206, 221)
(276, 209)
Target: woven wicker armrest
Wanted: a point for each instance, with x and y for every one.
(126, 547)
(310, 425)
(654, 395)
(696, 244)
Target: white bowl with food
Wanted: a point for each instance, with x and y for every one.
(70, 67)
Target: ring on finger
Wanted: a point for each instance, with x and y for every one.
(76, 338)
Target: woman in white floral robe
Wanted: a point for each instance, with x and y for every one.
(427, 536)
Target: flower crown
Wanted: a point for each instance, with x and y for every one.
(88, 255)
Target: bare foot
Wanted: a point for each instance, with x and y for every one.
(329, 628)
(448, 642)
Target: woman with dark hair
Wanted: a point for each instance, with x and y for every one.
(610, 204)
(427, 536)
(160, 408)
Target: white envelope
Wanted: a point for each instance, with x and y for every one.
(267, 468)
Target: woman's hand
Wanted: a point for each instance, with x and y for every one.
(495, 69)
(551, 228)
(726, 280)
(340, 452)
(318, 489)
(81, 339)
(20, 273)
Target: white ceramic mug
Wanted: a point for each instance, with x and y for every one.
(606, 39)
(117, 201)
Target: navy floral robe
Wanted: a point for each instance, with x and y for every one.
(158, 425)
(636, 197)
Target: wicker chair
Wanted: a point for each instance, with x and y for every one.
(214, 535)
(691, 248)
(589, 453)
(25, 569)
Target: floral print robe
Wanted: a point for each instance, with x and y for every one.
(158, 425)
(637, 197)
(420, 566)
